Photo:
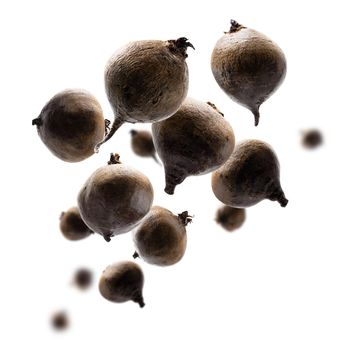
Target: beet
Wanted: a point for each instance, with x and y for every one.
(146, 81)
(194, 141)
(248, 66)
(72, 225)
(122, 282)
(71, 124)
(251, 174)
(161, 237)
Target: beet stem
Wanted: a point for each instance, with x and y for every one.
(37, 121)
(135, 255)
(117, 123)
(114, 159)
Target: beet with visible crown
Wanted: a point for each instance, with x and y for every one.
(251, 174)
(72, 225)
(115, 198)
(146, 81)
(71, 124)
(161, 237)
(194, 141)
(122, 282)
(248, 66)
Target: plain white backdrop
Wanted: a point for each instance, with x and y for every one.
(280, 282)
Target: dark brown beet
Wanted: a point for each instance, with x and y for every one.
(250, 175)
(312, 139)
(142, 144)
(59, 321)
(72, 225)
(230, 218)
(146, 81)
(161, 237)
(115, 198)
(121, 282)
(83, 278)
(248, 66)
(71, 124)
(194, 141)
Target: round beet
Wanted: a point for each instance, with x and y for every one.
(115, 198)
(83, 278)
(71, 124)
(146, 81)
(248, 66)
(251, 174)
(122, 282)
(161, 237)
(59, 321)
(72, 226)
(142, 144)
(312, 139)
(194, 141)
(230, 218)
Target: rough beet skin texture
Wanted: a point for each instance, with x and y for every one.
(248, 66)
(115, 198)
(194, 141)
(161, 237)
(71, 124)
(251, 174)
(146, 81)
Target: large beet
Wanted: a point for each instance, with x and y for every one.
(115, 198)
(71, 124)
(248, 66)
(194, 141)
(146, 81)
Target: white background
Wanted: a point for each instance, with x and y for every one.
(280, 282)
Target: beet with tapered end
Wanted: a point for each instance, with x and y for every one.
(142, 144)
(230, 218)
(251, 174)
(122, 282)
(115, 198)
(146, 81)
(248, 66)
(83, 278)
(194, 141)
(71, 124)
(161, 237)
(72, 225)
(312, 139)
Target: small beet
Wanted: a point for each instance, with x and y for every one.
(83, 278)
(146, 81)
(142, 144)
(194, 141)
(115, 198)
(248, 66)
(59, 321)
(161, 237)
(312, 139)
(230, 218)
(72, 225)
(71, 124)
(251, 174)
(122, 282)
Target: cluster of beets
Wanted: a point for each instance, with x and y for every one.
(147, 81)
